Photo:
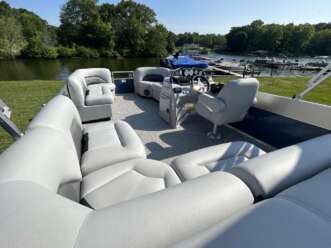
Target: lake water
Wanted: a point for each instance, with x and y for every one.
(41, 69)
(59, 69)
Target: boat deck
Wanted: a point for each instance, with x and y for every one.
(164, 143)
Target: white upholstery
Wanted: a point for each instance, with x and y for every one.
(297, 217)
(231, 104)
(126, 180)
(166, 217)
(109, 143)
(269, 174)
(214, 158)
(92, 91)
(133, 208)
(61, 114)
(147, 88)
(30, 159)
(31, 216)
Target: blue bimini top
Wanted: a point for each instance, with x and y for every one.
(187, 62)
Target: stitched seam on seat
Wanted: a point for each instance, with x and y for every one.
(321, 215)
(106, 182)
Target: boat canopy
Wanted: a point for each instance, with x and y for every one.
(187, 62)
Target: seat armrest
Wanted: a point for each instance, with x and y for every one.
(166, 217)
(214, 103)
(276, 171)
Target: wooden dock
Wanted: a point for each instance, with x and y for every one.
(224, 72)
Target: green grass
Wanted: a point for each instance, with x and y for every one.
(290, 86)
(25, 98)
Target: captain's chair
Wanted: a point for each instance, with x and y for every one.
(230, 105)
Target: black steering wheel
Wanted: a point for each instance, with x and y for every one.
(200, 81)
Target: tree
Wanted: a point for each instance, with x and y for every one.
(237, 40)
(11, 41)
(40, 37)
(300, 37)
(321, 43)
(132, 24)
(156, 42)
(82, 25)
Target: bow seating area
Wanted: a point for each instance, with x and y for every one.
(67, 183)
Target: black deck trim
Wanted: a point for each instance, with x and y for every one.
(277, 130)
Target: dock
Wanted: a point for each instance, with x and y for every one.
(223, 71)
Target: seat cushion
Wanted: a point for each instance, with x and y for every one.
(108, 143)
(126, 180)
(103, 87)
(99, 95)
(99, 100)
(215, 158)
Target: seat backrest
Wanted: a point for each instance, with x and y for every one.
(276, 171)
(61, 114)
(238, 96)
(142, 72)
(35, 209)
(95, 75)
(79, 80)
(42, 156)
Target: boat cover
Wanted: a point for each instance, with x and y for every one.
(187, 62)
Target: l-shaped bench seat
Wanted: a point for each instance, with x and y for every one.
(111, 156)
(279, 199)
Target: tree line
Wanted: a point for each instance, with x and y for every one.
(86, 29)
(287, 39)
(129, 29)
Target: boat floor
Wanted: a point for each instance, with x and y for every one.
(164, 143)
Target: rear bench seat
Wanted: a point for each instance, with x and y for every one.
(39, 169)
(111, 155)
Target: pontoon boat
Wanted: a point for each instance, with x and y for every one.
(97, 167)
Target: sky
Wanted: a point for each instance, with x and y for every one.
(207, 16)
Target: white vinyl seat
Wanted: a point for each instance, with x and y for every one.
(148, 81)
(97, 144)
(221, 157)
(109, 143)
(296, 217)
(126, 180)
(92, 91)
(276, 200)
(230, 105)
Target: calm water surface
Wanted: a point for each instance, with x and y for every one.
(42, 69)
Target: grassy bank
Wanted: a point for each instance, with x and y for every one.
(289, 86)
(25, 99)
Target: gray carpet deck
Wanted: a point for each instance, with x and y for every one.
(162, 142)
